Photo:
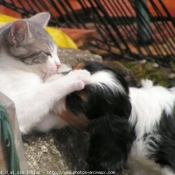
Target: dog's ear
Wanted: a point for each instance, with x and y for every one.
(111, 138)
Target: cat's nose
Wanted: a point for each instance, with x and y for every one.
(57, 62)
(58, 65)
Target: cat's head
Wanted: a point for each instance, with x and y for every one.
(26, 41)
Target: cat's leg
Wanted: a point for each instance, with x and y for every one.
(54, 77)
(51, 121)
(33, 106)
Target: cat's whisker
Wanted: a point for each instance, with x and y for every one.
(59, 28)
(50, 71)
(46, 74)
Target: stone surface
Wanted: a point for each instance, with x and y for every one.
(71, 57)
(63, 150)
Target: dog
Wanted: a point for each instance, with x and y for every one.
(128, 126)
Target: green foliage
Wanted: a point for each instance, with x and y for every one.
(147, 71)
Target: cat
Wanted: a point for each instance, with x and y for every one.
(28, 73)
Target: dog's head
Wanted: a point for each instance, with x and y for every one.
(102, 108)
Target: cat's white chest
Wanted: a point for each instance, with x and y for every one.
(18, 83)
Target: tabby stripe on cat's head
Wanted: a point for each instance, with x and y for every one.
(34, 58)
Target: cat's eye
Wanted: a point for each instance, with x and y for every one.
(47, 53)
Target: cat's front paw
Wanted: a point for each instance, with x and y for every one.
(79, 78)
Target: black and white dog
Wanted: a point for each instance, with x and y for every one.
(127, 126)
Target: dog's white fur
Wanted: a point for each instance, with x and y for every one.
(148, 102)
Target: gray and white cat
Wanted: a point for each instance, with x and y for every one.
(28, 67)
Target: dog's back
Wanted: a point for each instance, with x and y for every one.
(153, 116)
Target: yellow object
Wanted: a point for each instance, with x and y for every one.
(60, 38)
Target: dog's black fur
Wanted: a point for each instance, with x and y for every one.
(108, 111)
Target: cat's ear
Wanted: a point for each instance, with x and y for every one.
(19, 31)
(41, 18)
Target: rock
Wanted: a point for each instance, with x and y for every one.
(171, 76)
(155, 65)
(71, 57)
(60, 150)
(143, 61)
